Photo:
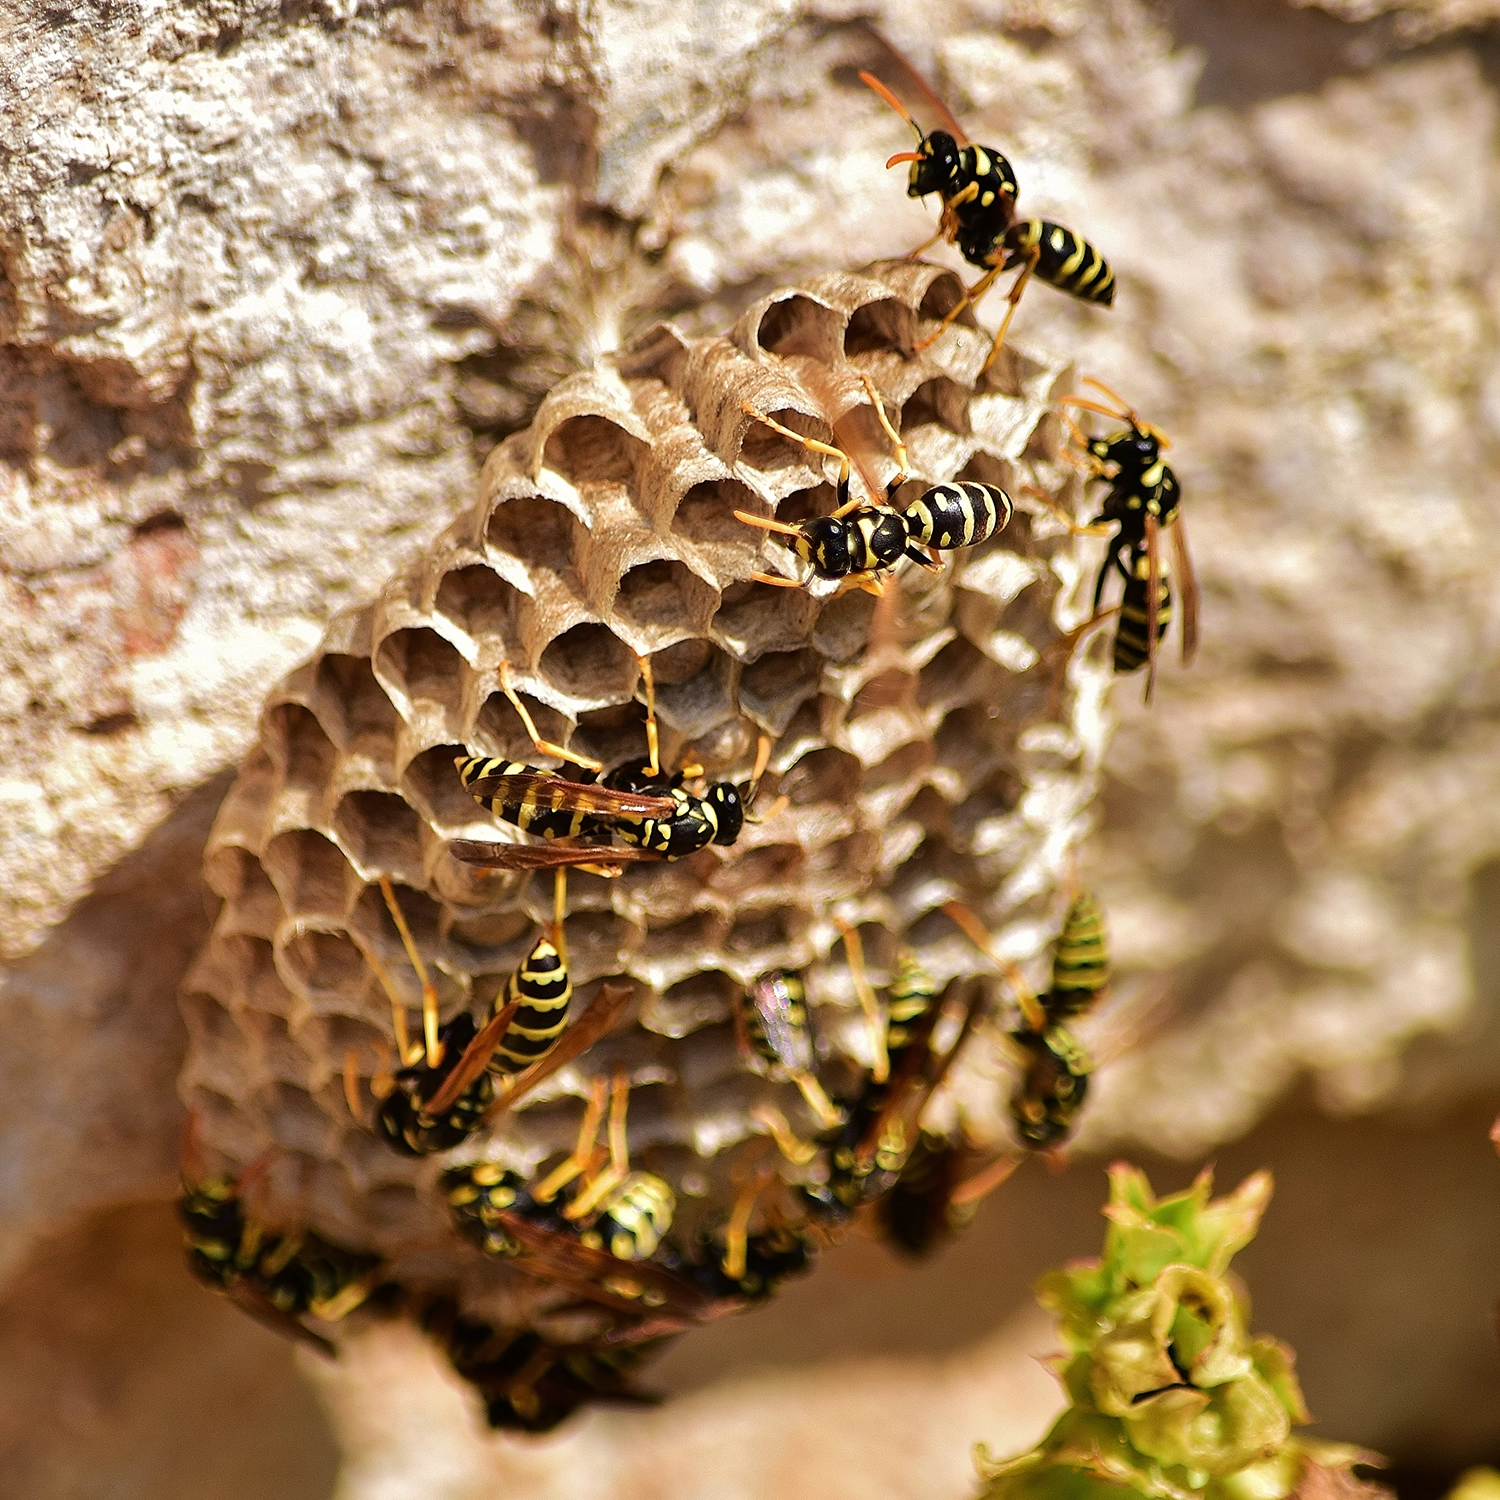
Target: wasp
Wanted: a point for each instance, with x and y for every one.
(279, 1279)
(866, 1156)
(464, 1074)
(529, 1383)
(978, 192)
(772, 1028)
(1143, 500)
(1055, 1065)
(621, 1212)
(861, 543)
(650, 810)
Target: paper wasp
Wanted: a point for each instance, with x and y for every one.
(772, 1028)
(978, 192)
(464, 1074)
(861, 543)
(278, 1278)
(1143, 500)
(866, 1155)
(638, 802)
(528, 1383)
(1055, 1066)
(606, 1240)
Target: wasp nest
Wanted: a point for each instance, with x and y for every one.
(937, 743)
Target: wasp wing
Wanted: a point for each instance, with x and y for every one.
(545, 856)
(589, 1272)
(557, 794)
(476, 1055)
(604, 1010)
(1187, 589)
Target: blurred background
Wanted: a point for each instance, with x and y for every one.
(275, 279)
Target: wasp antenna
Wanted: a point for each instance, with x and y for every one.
(870, 81)
(928, 92)
(766, 524)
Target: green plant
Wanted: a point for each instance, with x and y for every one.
(1169, 1395)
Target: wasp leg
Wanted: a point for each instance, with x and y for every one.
(407, 1053)
(1055, 509)
(343, 1302)
(653, 738)
(1013, 296)
(813, 446)
(429, 990)
(828, 1115)
(984, 1182)
(583, 1152)
(854, 948)
(973, 929)
(737, 1231)
(619, 1154)
(771, 1119)
(383, 1083)
(898, 448)
(546, 747)
(351, 1086)
(969, 299)
(926, 244)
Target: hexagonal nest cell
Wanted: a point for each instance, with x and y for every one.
(938, 743)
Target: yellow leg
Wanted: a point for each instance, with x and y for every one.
(737, 1231)
(817, 1100)
(898, 448)
(775, 582)
(976, 932)
(855, 949)
(969, 299)
(1063, 516)
(774, 1123)
(406, 1052)
(351, 1086)
(1013, 297)
(984, 1181)
(619, 1154)
(653, 740)
(546, 747)
(556, 1180)
(813, 446)
(928, 243)
(560, 912)
(429, 990)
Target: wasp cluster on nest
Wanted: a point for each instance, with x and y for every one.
(939, 743)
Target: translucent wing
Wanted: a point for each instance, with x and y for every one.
(557, 794)
(544, 856)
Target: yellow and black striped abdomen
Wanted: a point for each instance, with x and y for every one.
(542, 813)
(1132, 635)
(909, 997)
(1062, 260)
(1080, 961)
(961, 514)
(544, 989)
(634, 1218)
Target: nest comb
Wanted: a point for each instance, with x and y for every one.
(931, 745)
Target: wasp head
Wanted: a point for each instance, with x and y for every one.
(729, 810)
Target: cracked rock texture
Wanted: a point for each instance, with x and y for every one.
(277, 276)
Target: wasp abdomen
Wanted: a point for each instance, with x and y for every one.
(1133, 643)
(961, 514)
(1063, 260)
(547, 818)
(544, 988)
